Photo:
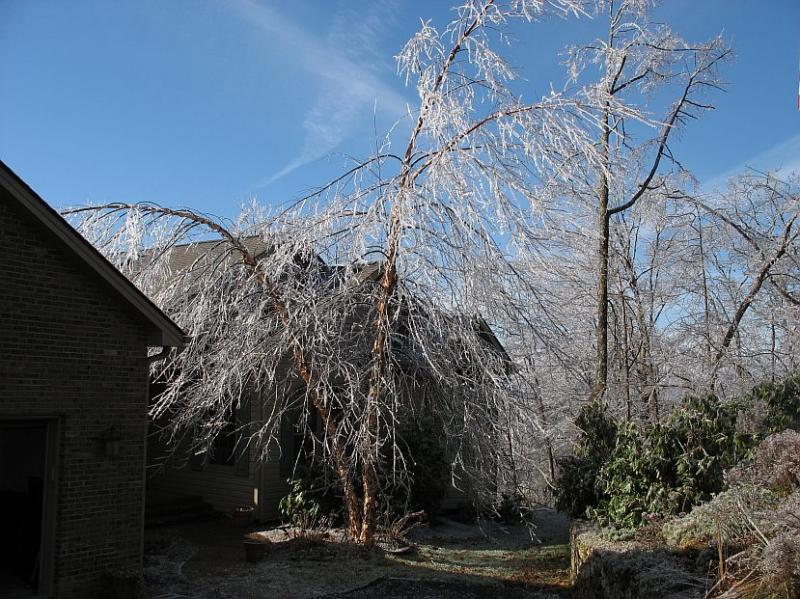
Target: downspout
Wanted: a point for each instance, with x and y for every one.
(150, 360)
(258, 495)
(159, 356)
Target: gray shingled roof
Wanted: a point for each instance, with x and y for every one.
(182, 257)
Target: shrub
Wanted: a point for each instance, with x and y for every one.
(619, 473)
(702, 439)
(576, 486)
(780, 401)
(299, 507)
(511, 509)
(625, 481)
(320, 485)
(668, 468)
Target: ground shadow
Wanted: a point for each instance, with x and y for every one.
(396, 588)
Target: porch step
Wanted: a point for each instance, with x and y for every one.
(175, 510)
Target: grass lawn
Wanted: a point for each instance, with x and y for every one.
(532, 565)
(206, 561)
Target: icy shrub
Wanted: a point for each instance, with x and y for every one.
(775, 464)
(634, 574)
(780, 557)
(732, 511)
(759, 516)
(618, 534)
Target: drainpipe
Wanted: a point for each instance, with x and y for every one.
(260, 491)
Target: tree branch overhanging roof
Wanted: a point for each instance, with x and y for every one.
(161, 329)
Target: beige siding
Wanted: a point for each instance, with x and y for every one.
(218, 485)
(265, 486)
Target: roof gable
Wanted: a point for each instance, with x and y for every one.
(161, 329)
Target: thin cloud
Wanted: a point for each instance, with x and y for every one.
(783, 159)
(345, 73)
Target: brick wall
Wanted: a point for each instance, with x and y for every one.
(69, 347)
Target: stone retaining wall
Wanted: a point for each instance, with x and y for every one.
(603, 569)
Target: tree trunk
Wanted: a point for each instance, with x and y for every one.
(772, 339)
(368, 517)
(338, 452)
(601, 373)
(551, 460)
(646, 367)
(379, 348)
(626, 353)
(706, 302)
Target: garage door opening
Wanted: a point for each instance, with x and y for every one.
(23, 500)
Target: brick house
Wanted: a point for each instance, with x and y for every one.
(74, 338)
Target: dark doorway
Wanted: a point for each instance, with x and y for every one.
(23, 457)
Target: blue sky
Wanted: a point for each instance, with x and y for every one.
(208, 103)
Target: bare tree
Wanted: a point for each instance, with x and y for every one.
(642, 66)
(377, 282)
